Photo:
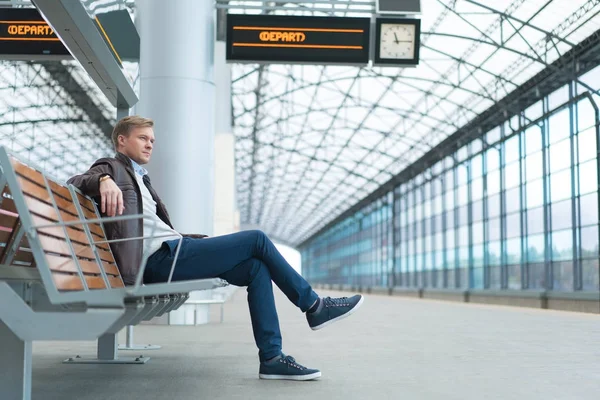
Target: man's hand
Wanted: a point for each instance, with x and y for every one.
(112, 198)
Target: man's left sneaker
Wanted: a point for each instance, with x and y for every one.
(333, 309)
(286, 367)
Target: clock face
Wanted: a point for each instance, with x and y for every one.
(397, 41)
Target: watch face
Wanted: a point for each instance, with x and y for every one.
(397, 41)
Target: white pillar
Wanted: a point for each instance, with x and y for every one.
(177, 90)
(224, 147)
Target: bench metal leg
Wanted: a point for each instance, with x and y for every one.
(107, 347)
(15, 356)
(130, 346)
(108, 353)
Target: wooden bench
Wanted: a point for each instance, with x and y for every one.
(59, 279)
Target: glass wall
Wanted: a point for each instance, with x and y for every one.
(358, 251)
(515, 209)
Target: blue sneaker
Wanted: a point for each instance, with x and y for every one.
(333, 309)
(286, 367)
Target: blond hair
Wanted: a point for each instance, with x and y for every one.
(126, 124)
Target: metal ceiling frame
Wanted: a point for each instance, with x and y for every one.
(294, 180)
(274, 207)
(582, 58)
(42, 120)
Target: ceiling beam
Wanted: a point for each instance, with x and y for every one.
(62, 74)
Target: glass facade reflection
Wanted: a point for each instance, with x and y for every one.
(515, 209)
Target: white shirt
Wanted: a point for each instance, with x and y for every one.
(151, 245)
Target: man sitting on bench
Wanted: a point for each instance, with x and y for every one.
(122, 187)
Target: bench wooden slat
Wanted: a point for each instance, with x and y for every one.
(24, 256)
(46, 211)
(41, 193)
(66, 264)
(4, 236)
(87, 203)
(33, 190)
(111, 269)
(73, 282)
(8, 219)
(67, 281)
(32, 186)
(53, 245)
(7, 203)
(37, 177)
(53, 239)
(63, 200)
(116, 281)
(74, 234)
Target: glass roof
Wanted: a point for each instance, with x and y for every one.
(313, 140)
(42, 120)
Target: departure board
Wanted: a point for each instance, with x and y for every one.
(295, 39)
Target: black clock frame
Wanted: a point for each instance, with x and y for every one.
(377, 60)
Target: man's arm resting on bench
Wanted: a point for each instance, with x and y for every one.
(89, 181)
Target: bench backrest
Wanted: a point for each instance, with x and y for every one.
(33, 209)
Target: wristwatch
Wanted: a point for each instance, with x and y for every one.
(104, 177)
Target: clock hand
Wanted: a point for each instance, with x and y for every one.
(396, 38)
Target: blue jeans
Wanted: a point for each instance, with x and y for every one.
(246, 258)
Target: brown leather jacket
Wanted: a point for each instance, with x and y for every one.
(128, 254)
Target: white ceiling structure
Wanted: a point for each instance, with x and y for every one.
(312, 141)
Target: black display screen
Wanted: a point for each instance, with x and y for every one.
(24, 34)
(292, 39)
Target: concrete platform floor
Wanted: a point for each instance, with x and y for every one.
(392, 348)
